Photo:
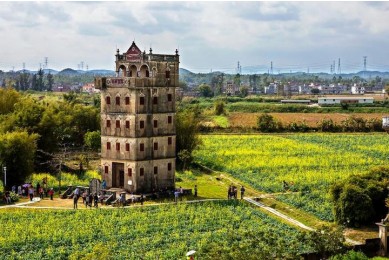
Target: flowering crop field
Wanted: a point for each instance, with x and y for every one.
(312, 162)
(149, 232)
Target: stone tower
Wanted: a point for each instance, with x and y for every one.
(138, 133)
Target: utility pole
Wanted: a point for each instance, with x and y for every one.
(339, 70)
(46, 61)
(364, 62)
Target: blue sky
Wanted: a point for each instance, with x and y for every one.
(214, 36)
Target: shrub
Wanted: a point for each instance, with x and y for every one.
(266, 123)
(219, 108)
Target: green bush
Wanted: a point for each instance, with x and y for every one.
(267, 124)
(360, 200)
(219, 108)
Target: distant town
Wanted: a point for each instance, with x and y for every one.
(213, 83)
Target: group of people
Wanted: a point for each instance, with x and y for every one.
(27, 190)
(233, 192)
(87, 198)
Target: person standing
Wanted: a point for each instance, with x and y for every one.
(141, 199)
(104, 185)
(8, 199)
(31, 192)
(181, 193)
(20, 190)
(51, 193)
(195, 190)
(95, 200)
(176, 194)
(40, 192)
(242, 190)
(75, 201)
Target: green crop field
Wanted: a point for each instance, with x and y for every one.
(311, 162)
(149, 232)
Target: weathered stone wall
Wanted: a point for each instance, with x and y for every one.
(162, 179)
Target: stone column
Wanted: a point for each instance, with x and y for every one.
(383, 235)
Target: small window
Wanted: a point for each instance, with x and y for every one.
(155, 123)
(106, 169)
(129, 172)
(118, 101)
(108, 123)
(142, 147)
(142, 124)
(127, 100)
(155, 170)
(169, 140)
(108, 100)
(169, 166)
(169, 97)
(108, 146)
(155, 146)
(141, 171)
(147, 74)
(117, 146)
(127, 147)
(155, 100)
(168, 74)
(141, 101)
(127, 124)
(117, 123)
(169, 119)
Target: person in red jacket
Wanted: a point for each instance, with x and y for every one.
(51, 193)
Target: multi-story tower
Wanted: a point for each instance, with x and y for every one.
(138, 134)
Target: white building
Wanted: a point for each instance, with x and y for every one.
(349, 100)
(357, 90)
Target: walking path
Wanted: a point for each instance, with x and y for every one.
(291, 220)
(279, 214)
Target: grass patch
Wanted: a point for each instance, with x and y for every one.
(221, 121)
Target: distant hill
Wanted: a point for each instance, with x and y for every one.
(68, 71)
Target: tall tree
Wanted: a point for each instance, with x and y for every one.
(186, 135)
(40, 80)
(17, 151)
(50, 82)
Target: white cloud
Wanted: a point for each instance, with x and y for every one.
(209, 34)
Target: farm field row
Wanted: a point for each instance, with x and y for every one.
(309, 162)
(151, 232)
(311, 119)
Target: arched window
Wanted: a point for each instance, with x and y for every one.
(122, 71)
(144, 71)
(133, 70)
(108, 100)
